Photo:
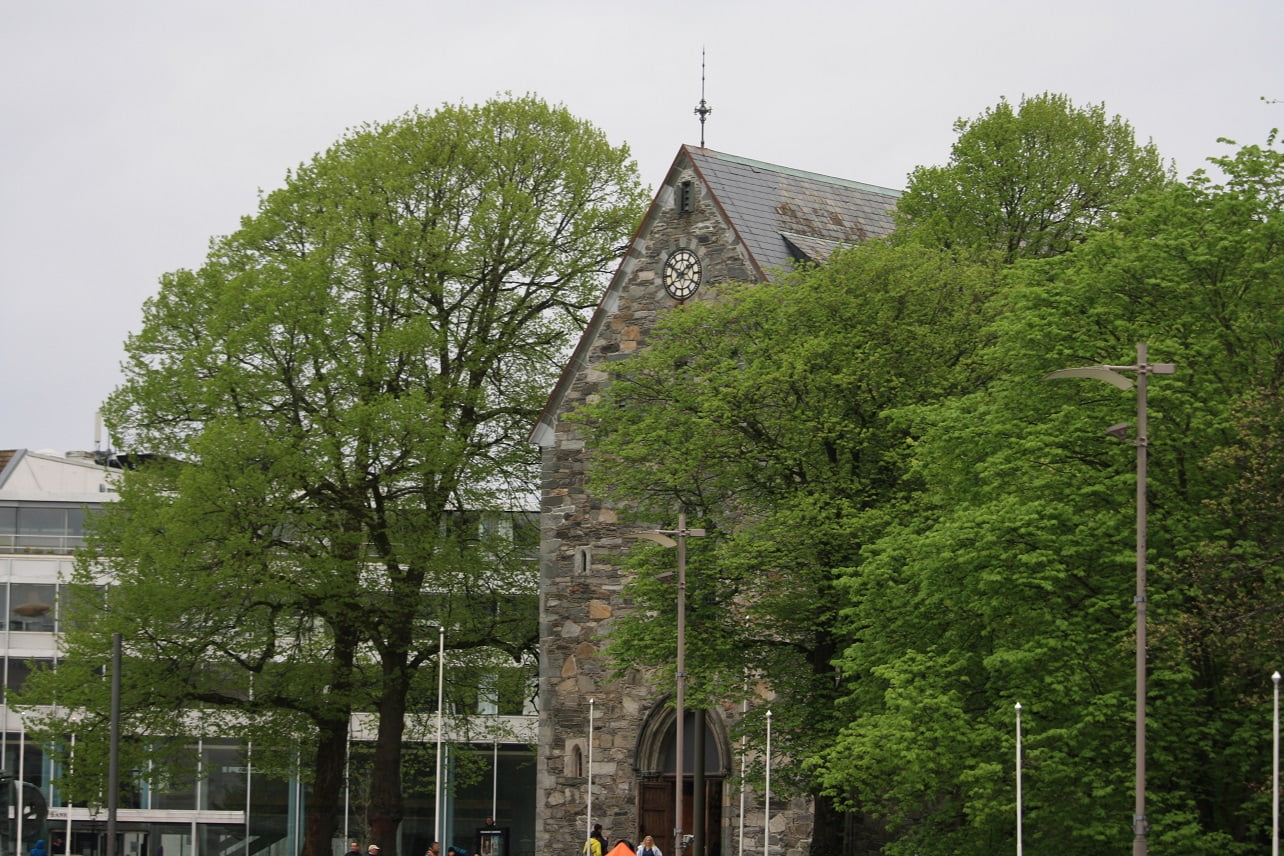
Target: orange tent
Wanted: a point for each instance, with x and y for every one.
(621, 849)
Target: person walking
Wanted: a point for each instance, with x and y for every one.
(596, 844)
(648, 848)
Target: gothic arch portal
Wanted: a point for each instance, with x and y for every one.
(655, 767)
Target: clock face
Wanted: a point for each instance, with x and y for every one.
(682, 274)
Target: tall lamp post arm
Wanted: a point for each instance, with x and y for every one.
(1112, 376)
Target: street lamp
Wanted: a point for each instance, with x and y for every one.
(1110, 375)
(661, 536)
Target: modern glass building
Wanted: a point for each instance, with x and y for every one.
(224, 807)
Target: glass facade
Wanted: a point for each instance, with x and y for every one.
(218, 804)
(224, 808)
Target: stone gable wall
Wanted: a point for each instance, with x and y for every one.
(580, 588)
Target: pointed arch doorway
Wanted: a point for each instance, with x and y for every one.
(655, 765)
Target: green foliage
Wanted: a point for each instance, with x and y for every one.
(357, 363)
(1029, 181)
(1010, 579)
(762, 413)
(909, 531)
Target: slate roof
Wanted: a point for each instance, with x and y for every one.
(784, 214)
(780, 215)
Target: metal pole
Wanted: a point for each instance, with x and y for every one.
(441, 686)
(1140, 827)
(1018, 779)
(697, 786)
(1275, 771)
(249, 797)
(660, 537)
(766, 807)
(20, 788)
(347, 780)
(680, 747)
(113, 757)
(1110, 375)
(744, 711)
(588, 791)
(66, 841)
(494, 778)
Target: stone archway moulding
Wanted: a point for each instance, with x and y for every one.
(656, 735)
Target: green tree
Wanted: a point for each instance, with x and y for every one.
(1010, 577)
(762, 413)
(349, 373)
(1032, 180)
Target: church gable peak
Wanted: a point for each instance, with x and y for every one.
(715, 218)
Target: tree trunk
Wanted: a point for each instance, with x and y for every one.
(386, 808)
(848, 833)
(324, 804)
(330, 762)
(827, 828)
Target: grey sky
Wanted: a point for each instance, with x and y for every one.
(134, 131)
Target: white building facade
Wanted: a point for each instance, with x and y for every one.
(227, 808)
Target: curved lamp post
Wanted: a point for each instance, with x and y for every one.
(1112, 376)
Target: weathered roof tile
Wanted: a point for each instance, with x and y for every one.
(765, 202)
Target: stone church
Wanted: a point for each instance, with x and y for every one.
(716, 218)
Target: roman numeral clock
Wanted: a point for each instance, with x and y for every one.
(682, 274)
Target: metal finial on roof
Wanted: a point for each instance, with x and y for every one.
(703, 109)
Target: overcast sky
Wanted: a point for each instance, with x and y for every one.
(133, 131)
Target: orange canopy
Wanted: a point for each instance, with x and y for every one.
(621, 849)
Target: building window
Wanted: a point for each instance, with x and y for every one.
(223, 776)
(178, 789)
(583, 559)
(17, 672)
(31, 607)
(42, 528)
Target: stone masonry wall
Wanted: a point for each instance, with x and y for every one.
(580, 588)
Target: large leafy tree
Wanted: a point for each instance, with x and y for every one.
(1031, 180)
(762, 414)
(349, 373)
(1010, 578)
(785, 418)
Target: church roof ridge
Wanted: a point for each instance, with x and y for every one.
(763, 202)
(797, 173)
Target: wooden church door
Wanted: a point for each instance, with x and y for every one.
(655, 814)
